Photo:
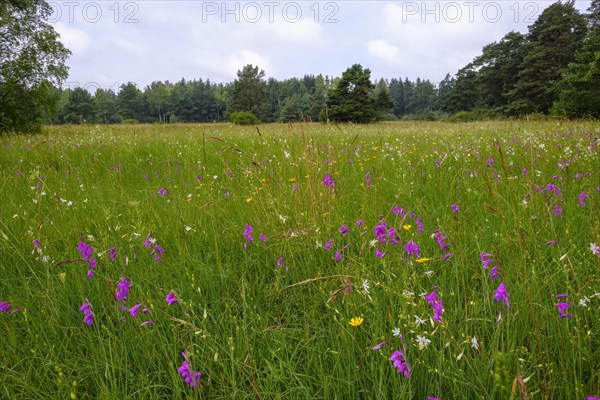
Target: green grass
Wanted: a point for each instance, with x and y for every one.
(258, 330)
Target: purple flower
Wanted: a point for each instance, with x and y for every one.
(92, 262)
(280, 261)
(419, 225)
(338, 256)
(148, 241)
(133, 310)
(381, 232)
(441, 239)
(5, 306)
(190, 376)
(399, 361)
(455, 208)
(502, 295)
(85, 250)
(146, 323)
(592, 398)
(359, 222)
(494, 272)
(436, 303)
(412, 248)
(112, 252)
(368, 180)
(328, 244)
(379, 346)
(88, 315)
(432, 398)
(447, 256)
(171, 299)
(122, 289)
(36, 244)
(162, 192)
(263, 237)
(327, 181)
(486, 259)
(557, 211)
(157, 253)
(562, 308)
(247, 233)
(344, 230)
(551, 242)
(379, 253)
(90, 273)
(582, 196)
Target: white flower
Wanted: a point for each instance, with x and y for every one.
(286, 154)
(373, 242)
(396, 331)
(418, 320)
(422, 342)
(282, 218)
(595, 249)
(188, 228)
(318, 244)
(583, 302)
(474, 343)
(365, 285)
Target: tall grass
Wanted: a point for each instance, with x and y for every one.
(270, 319)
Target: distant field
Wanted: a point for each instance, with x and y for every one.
(389, 261)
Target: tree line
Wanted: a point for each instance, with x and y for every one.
(552, 69)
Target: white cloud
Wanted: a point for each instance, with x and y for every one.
(76, 40)
(383, 50)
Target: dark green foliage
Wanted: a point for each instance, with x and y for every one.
(249, 93)
(350, 98)
(31, 60)
(552, 42)
(580, 83)
(243, 118)
(80, 107)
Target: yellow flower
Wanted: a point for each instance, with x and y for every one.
(422, 260)
(292, 179)
(356, 321)
(249, 199)
(406, 227)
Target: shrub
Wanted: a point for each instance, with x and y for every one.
(130, 121)
(243, 118)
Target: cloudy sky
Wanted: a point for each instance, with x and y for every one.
(114, 42)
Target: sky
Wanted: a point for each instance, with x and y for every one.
(115, 42)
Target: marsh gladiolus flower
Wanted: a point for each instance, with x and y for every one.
(562, 308)
(379, 253)
(356, 321)
(5, 306)
(327, 181)
(171, 299)
(412, 249)
(399, 361)
(190, 376)
(455, 208)
(88, 315)
(162, 192)
(501, 294)
(122, 289)
(112, 253)
(344, 230)
(247, 233)
(133, 310)
(379, 346)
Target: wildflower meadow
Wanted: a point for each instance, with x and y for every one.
(404, 260)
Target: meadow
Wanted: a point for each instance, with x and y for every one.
(389, 261)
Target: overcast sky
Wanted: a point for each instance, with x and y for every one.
(115, 42)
